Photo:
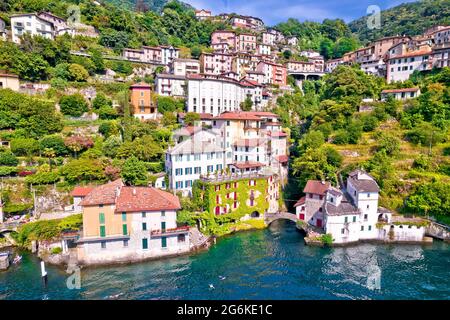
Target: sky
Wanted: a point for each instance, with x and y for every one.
(275, 11)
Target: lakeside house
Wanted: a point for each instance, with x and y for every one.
(252, 194)
(352, 214)
(126, 223)
(240, 142)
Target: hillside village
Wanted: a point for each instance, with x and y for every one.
(150, 150)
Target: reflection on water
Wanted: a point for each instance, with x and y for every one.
(265, 264)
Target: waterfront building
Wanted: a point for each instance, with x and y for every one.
(170, 85)
(9, 81)
(125, 223)
(141, 101)
(352, 214)
(247, 142)
(30, 23)
(197, 154)
(250, 194)
(78, 194)
(400, 94)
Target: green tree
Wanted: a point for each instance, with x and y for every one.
(73, 105)
(83, 170)
(190, 118)
(247, 104)
(134, 172)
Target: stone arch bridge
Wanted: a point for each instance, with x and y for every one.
(269, 218)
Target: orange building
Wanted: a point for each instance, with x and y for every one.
(141, 101)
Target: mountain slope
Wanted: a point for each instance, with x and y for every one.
(409, 18)
(153, 5)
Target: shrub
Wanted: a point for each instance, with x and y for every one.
(7, 158)
(54, 142)
(326, 239)
(6, 171)
(43, 178)
(24, 146)
(56, 250)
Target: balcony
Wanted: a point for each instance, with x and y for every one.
(166, 232)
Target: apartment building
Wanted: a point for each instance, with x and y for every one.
(224, 36)
(183, 67)
(332, 64)
(125, 223)
(198, 154)
(30, 23)
(141, 101)
(274, 73)
(400, 67)
(268, 38)
(216, 63)
(156, 55)
(257, 76)
(246, 42)
(264, 49)
(301, 66)
(247, 22)
(170, 85)
(59, 24)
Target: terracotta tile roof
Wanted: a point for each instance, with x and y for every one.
(282, 159)
(237, 116)
(141, 85)
(9, 75)
(247, 165)
(400, 90)
(135, 199)
(316, 187)
(81, 191)
(104, 194)
(300, 202)
(412, 54)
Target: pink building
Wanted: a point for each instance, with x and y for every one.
(247, 42)
(274, 73)
(216, 63)
(224, 36)
(202, 14)
(301, 66)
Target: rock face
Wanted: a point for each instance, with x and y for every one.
(439, 231)
(4, 262)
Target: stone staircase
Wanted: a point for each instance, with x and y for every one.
(197, 238)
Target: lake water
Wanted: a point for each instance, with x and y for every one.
(266, 264)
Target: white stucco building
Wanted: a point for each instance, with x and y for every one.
(30, 23)
(170, 85)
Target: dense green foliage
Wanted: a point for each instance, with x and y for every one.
(408, 18)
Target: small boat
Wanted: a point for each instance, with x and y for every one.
(17, 259)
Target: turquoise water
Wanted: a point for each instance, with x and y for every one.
(266, 264)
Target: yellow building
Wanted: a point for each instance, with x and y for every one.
(9, 81)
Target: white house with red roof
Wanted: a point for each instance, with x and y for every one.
(126, 223)
(78, 194)
(400, 94)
